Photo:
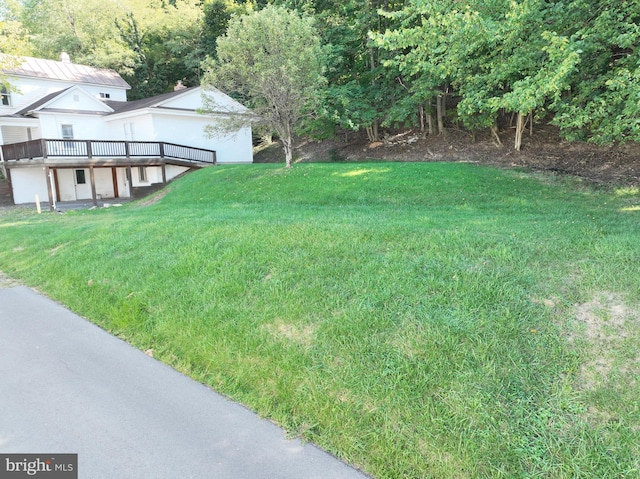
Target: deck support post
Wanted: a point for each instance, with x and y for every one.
(8, 177)
(94, 196)
(130, 181)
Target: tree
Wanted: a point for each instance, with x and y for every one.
(362, 92)
(272, 61)
(13, 35)
(603, 105)
(166, 44)
(82, 28)
(217, 14)
(479, 48)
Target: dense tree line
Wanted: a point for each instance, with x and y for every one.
(479, 64)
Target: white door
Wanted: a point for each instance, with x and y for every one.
(82, 183)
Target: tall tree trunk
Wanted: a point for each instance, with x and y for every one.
(440, 112)
(373, 130)
(520, 126)
(421, 118)
(287, 145)
(370, 134)
(373, 133)
(494, 131)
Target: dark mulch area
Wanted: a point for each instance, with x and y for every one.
(544, 151)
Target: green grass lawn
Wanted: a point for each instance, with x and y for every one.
(417, 320)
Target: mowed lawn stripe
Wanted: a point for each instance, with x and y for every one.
(416, 319)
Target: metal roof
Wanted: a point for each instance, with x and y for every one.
(69, 72)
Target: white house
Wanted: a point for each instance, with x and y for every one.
(68, 133)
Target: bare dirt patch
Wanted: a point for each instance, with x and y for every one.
(7, 282)
(301, 335)
(610, 330)
(154, 198)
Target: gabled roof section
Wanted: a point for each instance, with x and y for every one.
(86, 103)
(189, 99)
(42, 101)
(152, 102)
(69, 72)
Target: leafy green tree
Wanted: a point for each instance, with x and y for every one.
(83, 28)
(272, 61)
(165, 41)
(361, 90)
(217, 14)
(603, 104)
(14, 38)
(478, 48)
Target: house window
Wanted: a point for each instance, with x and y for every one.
(142, 174)
(6, 97)
(67, 134)
(105, 95)
(80, 178)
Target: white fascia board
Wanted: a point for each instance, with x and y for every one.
(89, 114)
(128, 114)
(24, 122)
(155, 112)
(167, 112)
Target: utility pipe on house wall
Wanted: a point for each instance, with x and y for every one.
(47, 175)
(53, 189)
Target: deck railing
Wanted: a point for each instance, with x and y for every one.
(113, 149)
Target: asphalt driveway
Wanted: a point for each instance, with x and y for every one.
(67, 386)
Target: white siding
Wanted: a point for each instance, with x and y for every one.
(140, 128)
(85, 127)
(78, 99)
(104, 183)
(154, 174)
(14, 134)
(172, 171)
(218, 101)
(184, 130)
(28, 182)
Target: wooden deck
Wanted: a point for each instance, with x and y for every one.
(107, 152)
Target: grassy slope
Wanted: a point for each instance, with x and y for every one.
(418, 320)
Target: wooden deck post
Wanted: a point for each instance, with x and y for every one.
(130, 181)
(164, 172)
(13, 198)
(114, 179)
(94, 197)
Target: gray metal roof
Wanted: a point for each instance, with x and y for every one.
(69, 72)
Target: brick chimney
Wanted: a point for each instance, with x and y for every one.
(179, 86)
